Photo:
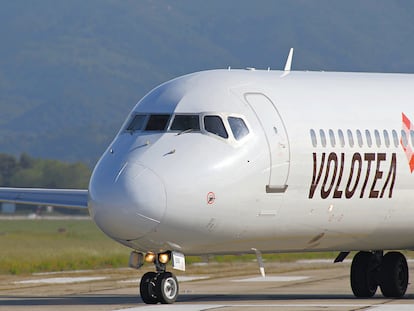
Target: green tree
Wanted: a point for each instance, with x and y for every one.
(47, 173)
(8, 167)
(26, 161)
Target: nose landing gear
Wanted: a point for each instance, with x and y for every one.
(160, 286)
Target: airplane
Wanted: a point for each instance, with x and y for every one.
(233, 161)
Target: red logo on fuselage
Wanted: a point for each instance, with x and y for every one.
(407, 131)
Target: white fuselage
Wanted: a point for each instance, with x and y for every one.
(277, 189)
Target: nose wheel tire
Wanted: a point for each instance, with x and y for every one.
(167, 288)
(159, 287)
(147, 288)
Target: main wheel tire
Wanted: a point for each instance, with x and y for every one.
(167, 288)
(394, 275)
(147, 288)
(363, 275)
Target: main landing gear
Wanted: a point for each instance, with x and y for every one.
(160, 286)
(372, 269)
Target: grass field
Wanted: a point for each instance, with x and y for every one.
(37, 245)
(28, 246)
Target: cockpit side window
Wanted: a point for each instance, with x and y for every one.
(137, 123)
(185, 123)
(238, 127)
(157, 122)
(215, 125)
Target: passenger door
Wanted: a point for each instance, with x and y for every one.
(277, 140)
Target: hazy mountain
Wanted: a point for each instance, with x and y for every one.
(70, 71)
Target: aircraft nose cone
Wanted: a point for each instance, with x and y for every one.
(129, 203)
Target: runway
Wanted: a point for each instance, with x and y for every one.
(298, 286)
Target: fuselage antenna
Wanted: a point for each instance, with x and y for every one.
(288, 64)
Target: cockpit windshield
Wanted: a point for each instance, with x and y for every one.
(137, 123)
(224, 127)
(215, 125)
(157, 122)
(238, 127)
(186, 122)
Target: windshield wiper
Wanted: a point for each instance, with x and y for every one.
(185, 131)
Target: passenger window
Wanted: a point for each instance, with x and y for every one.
(386, 139)
(157, 122)
(215, 125)
(404, 139)
(412, 138)
(350, 138)
(137, 123)
(313, 138)
(341, 138)
(238, 127)
(395, 138)
(332, 138)
(323, 138)
(185, 123)
(377, 138)
(359, 137)
(369, 140)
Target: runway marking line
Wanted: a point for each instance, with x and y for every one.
(198, 307)
(273, 279)
(62, 280)
(183, 278)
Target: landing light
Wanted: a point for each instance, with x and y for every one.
(149, 257)
(164, 258)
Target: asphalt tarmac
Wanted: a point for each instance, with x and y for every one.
(300, 286)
